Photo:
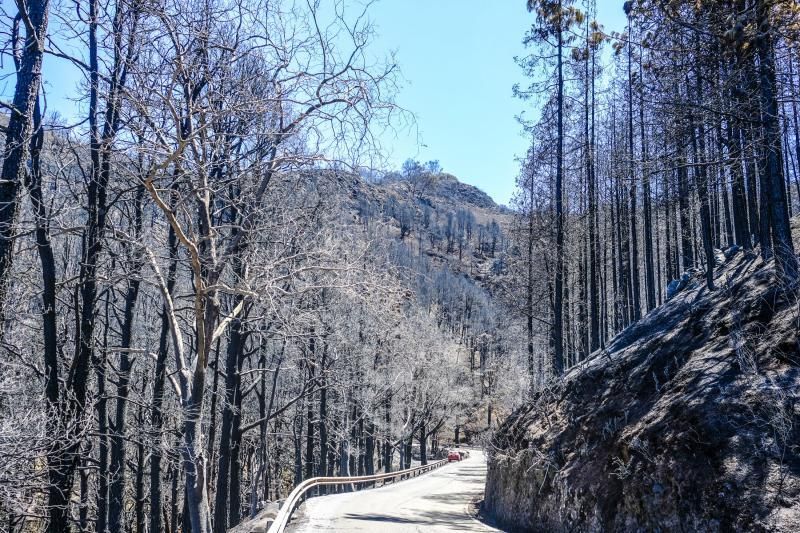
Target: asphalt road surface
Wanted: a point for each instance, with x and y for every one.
(439, 501)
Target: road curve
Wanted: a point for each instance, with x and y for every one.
(437, 502)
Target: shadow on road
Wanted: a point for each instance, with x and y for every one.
(450, 496)
(424, 519)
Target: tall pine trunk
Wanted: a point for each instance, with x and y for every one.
(558, 304)
(775, 190)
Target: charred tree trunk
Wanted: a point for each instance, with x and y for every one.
(558, 305)
(156, 413)
(423, 444)
(118, 461)
(387, 446)
(19, 132)
(687, 238)
(741, 225)
(232, 386)
(775, 190)
(594, 223)
(698, 134)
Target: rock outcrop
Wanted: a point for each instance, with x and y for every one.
(450, 187)
(688, 421)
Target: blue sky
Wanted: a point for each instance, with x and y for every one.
(457, 58)
(457, 61)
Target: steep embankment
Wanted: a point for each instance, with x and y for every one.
(688, 421)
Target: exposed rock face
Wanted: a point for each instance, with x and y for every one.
(677, 285)
(449, 187)
(688, 421)
(261, 522)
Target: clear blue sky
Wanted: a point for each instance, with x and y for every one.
(456, 58)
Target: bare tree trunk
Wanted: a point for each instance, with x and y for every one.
(232, 386)
(785, 258)
(558, 299)
(687, 239)
(310, 415)
(698, 135)
(423, 444)
(749, 156)
(139, 480)
(535, 371)
(58, 460)
(740, 220)
(118, 461)
(796, 124)
(636, 305)
(387, 446)
(100, 364)
(670, 267)
(20, 130)
(649, 267)
(594, 221)
(156, 416)
(323, 411)
(369, 449)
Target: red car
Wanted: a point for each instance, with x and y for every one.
(453, 456)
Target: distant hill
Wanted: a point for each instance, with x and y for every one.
(444, 188)
(452, 239)
(453, 223)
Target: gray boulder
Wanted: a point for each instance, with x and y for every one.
(732, 251)
(719, 257)
(677, 285)
(673, 288)
(262, 521)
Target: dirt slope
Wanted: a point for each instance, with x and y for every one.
(688, 421)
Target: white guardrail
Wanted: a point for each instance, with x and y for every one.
(296, 496)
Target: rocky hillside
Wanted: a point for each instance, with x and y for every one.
(452, 241)
(448, 187)
(687, 421)
(456, 226)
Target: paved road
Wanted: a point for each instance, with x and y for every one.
(435, 502)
